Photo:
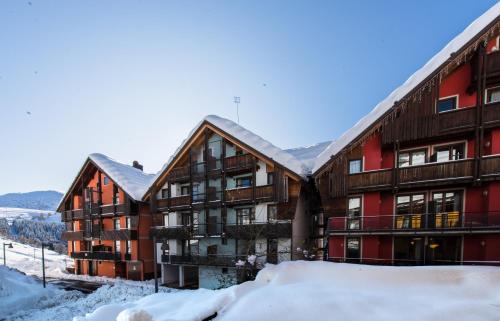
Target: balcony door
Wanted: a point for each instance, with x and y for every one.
(410, 211)
(354, 213)
(353, 250)
(447, 209)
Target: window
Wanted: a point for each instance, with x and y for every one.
(186, 218)
(355, 166)
(73, 246)
(412, 158)
(129, 247)
(197, 195)
(447, 104)
(127, 222)
(353, 249)
(165, 220)
(184, 190)
(270, 178)
(117, 197)
(493, 95)
(272, 212)
(105, 180)
(224, 241)
(164, 193)
(117, 246)
(244, 181)
(353, 213)
(447, 208)
(410, 210)
(245, 215)
(117, 224)
(448, 153)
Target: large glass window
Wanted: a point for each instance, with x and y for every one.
(447, 104)
(411, 158)
(493, 95)
(449, 153)
(245, 215)
(244, 181)
(354, 213)
(355, 166)
(410, 210)
(447, 208)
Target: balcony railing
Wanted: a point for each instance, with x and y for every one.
(246, 193)
(172, 232)
(211, 260)
(72, 215)
(72, 236)
(490, 166)
(430, 173)
(179, 174)
(122, 234)
(238, 162)
(255, 230)
(102, 256)
(184, 200)
(451, 221)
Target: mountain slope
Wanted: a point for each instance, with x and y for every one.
(39, 200)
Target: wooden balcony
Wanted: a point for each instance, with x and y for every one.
(238, 163)
(101, 256)
(461, 170)
(72, 236)
(262, 193)
(122, 234)
(180, 201)
(265, 230)
(372, 180)
(172, 232)
(430, 174)
(210, 260)
(70, 215)
(179, 174)
(490, 167)
(491, 115)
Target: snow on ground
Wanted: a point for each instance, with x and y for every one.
(23, 298)
(12, 213)
(330, 291)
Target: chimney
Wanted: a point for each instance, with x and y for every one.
(136, 164)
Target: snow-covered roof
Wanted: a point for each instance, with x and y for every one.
(246, 137)
(307, 155)
(381, 108)
(133, 181)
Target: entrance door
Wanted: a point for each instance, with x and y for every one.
(443, 250)
(91, 268)
(272, 251)
(353, 250)
(409, 250)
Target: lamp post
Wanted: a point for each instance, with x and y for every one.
(10, 247)
(154, 264)
(43, 261)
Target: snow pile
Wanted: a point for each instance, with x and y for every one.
(18, 291)
(328, 291)
(420, 75)
(307, 155)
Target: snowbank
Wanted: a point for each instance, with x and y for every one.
(328, 291)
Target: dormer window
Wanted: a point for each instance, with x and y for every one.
(447, 104)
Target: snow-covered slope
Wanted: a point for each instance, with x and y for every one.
(47, 216)
(328, 291)
(37, 200)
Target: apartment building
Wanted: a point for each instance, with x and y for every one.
(107, 224)
(417, 181)
(226, 203)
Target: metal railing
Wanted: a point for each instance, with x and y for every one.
(103, 256)
(426, 221)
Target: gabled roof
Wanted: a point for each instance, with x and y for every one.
(246, 137)
(131, 180)
(418, 77)
(307, 155)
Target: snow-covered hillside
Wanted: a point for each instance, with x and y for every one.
(38, 200)
(11, 213)
(329, 291)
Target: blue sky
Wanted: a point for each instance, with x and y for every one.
(131, 78)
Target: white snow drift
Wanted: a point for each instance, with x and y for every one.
(329, 291)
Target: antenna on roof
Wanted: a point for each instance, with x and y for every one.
(237, 102)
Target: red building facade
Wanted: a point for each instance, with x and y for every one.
(420, 184)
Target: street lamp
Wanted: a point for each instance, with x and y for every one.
(10, 247)
(43, 260)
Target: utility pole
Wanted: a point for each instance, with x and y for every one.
(10, 247)
(237, 102)
(43, 262)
